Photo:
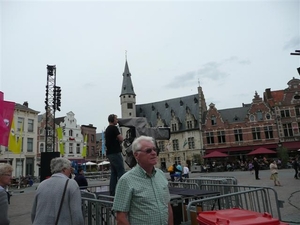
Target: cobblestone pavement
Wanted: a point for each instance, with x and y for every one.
(21, 200)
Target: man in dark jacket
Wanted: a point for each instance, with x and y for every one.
(80, 178)
(295, 166)
(256, 168)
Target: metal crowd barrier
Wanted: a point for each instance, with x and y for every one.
(95, 188)
(205, 180)
(229, 179)
(97, 211)
(183, 185)
(256, 199)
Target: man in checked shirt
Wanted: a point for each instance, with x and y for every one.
(142, 194)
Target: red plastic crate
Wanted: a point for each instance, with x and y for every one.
(236, 216)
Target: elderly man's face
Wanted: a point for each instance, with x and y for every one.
(147, 155)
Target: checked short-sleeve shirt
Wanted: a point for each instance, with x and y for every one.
(144, 198)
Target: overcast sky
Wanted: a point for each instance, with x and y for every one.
(232, 48)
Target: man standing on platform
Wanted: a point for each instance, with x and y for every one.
(113, 140)
(142, 195)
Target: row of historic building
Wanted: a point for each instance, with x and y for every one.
(270, 121)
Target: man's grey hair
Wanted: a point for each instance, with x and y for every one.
(136, 145)
(57, 165)
(5, 168)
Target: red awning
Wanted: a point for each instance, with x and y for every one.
(261, 150)
(215, 154)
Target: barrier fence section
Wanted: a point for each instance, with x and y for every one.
(97, 211)
(256, 199)
(229, 179)
(96, 188)
(184, 185)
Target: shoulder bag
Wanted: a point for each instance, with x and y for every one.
(61, 202)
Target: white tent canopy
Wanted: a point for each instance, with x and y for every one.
(103, 163)
(89, 163)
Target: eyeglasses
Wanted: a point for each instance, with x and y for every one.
(6, 174)
(148, 150)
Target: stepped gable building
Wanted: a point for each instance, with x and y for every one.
(72, 137)
(237, 131)
(183, 115)
(285, 105)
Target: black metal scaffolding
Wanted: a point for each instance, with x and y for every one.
(50, 109)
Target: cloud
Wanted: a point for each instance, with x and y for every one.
(293, 43)
(210, 70)
(89, 85)
(183, 80)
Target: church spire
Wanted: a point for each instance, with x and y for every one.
(127, 86)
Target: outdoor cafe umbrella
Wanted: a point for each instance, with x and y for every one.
(261, 151)
(103, 163)
(89, 163)
(215, 154)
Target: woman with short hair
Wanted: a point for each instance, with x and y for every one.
(5, 180)
(49, 195)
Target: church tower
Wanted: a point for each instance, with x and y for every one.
(127, 97)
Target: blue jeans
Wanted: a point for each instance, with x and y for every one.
(117, 170)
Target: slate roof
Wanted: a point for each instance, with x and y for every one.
(58, 120)
(127, 86)
(164, 109)
(235, 115)
(25, 108)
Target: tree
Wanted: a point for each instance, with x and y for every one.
(283, 155)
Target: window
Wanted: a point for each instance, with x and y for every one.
(268, 116)
(22, 143)
(238, 135)
(42, 131)
(92, 138)
(191, 143)
(29, 144)
(161, 146)
(210, 137)
(287, 130)
(129, 106)
(256, 133)
(42, 147)
(93, 150)
(213, 120)
(71, 148)
(285, 113)
(78, 148)
(189, 124)
(259, 115)
(252, 118)
(175, 145)
(70, 133)
(221, 136)
(297, 109)
(174, 127)
(268, 132)
(177, 160)
(30, 125)
(20, 123)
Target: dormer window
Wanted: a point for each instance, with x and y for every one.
(213, 120)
